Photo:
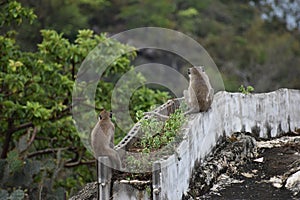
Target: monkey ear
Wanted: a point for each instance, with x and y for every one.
(189, 71)
(99, 117)
(110, 114)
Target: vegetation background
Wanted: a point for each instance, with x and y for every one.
(43, 43)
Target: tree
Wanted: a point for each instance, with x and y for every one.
(42, 154)
(248, 49)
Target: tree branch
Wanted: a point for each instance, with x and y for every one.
(23, 126)
(79, 162)
(9, 133)
(33, 136)
(7, 139)
(46, 151)
(35, 130)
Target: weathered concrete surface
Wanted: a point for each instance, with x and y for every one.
(224, 160)
(128, 192)
(266, 115)
(293, 182)
(265, 171)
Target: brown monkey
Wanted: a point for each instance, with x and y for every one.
(200, 93)
(102, 139)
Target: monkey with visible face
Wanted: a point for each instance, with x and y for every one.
(102, 139)
(200, 93)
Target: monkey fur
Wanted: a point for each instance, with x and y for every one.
(199, 95)
(102, 139)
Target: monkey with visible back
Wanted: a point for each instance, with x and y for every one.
(200, 93)
(102, 139)
(198, 96)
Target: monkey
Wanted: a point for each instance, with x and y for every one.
(198, 96)
(102, 139)
(200, 93)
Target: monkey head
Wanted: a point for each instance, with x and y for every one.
(195, 70)
(105, 115)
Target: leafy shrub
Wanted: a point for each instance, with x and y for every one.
(42, 155)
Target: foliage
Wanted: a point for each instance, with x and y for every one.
(246, 90)
(61, 15)
(42, 154)
(248, 49)
(149, 13)
(157, 134)
(158, 138)
(16, 13)
(246, 39)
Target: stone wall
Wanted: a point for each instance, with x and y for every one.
(265, 115)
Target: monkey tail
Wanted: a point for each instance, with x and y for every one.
(115, 159)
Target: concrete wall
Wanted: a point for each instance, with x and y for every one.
(128, 192)
(265, 115)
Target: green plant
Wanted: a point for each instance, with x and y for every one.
(42, 153)
(148, 190)
(156, 135)
(247, 90)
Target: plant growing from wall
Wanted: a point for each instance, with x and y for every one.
(158, 133)
(247, 90)
(159, 138)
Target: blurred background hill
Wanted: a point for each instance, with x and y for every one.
(252, 42)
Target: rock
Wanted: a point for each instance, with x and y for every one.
(247, 175)
(276, 182)
(260, 160)
(293, 183)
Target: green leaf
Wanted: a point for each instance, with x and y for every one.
(190, 12)
(250, 89)
(8, 104)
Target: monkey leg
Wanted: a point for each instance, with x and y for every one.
(191, 111)
(186, 97)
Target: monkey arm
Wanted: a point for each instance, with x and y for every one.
(112, 138)
(111, 144)
(186, 97)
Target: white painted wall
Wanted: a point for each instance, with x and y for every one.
(266, 115)
(124, 191)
